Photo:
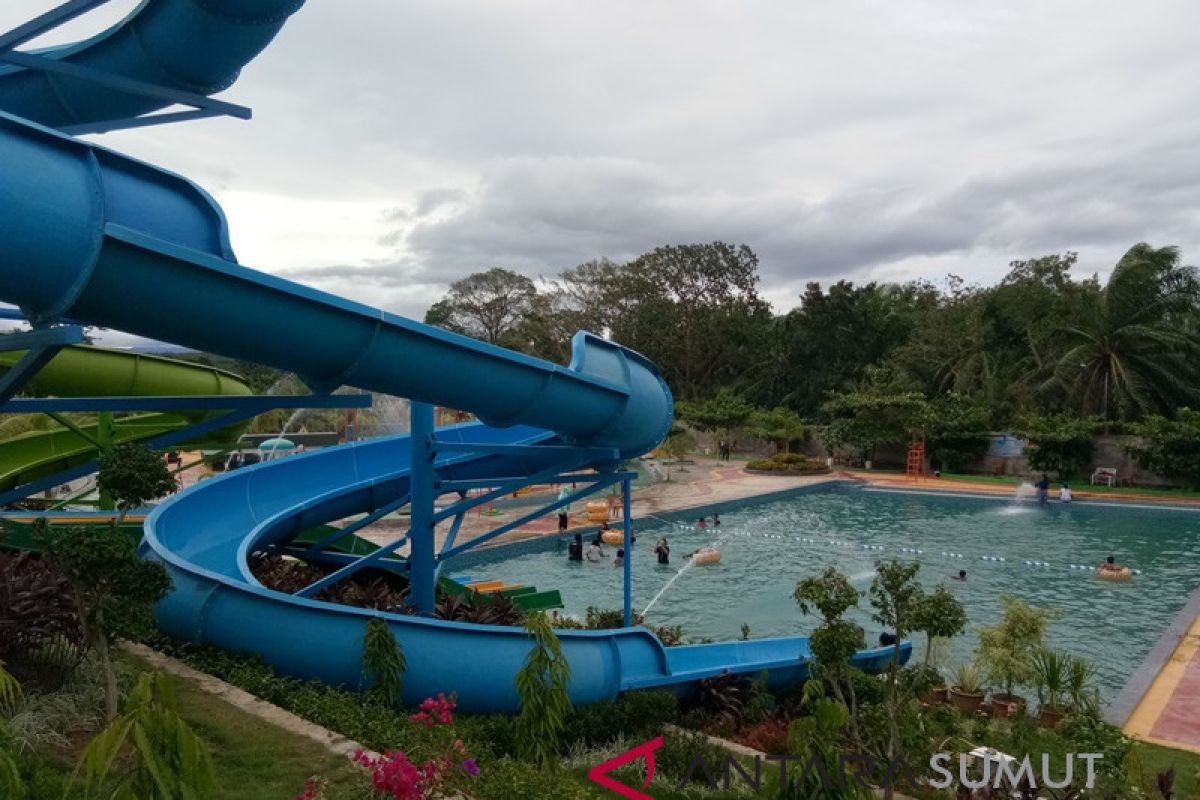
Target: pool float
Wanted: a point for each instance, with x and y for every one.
(706, 556)
(597, 512)
(1122, 574)
(613, 537)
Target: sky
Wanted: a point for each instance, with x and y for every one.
(398, 146)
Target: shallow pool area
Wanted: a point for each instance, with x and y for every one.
(768, 545)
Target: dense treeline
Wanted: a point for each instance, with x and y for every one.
(1043, 343)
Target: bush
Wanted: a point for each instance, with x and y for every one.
(787, 463)
(506, 779)
(1173, 447)
(36, 610)
(637, 715)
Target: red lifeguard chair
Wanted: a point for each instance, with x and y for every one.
(914, 468)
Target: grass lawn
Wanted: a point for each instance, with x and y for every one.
(1147, 760)
(253, 759)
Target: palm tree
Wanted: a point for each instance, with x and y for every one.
(1135, 351)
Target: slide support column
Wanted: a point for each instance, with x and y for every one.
(422, 565)
(625, 487)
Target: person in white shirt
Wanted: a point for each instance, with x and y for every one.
(594, 552)
(1064, 494)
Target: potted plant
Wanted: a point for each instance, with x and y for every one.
(1050, 670)
(967, 691)
(1006, 652)
(927, 683)
(1081, 695)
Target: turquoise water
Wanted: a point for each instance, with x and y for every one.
(765, 553)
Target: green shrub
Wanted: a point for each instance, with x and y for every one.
(507, 779)
(635, 715)
(542, 687)
(383, 663)
(787, 463)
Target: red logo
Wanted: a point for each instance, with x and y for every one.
(599, 773)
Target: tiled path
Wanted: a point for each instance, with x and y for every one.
(1169, 712)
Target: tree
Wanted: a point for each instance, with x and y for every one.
(113, 589)
(542, 687)
(133, 475)
(866, 419)
(956, 430)
(1129, 355)
(719, 414)
(896, 598)
(778, 425)
(485, 305)
(1171, 447)
(837, 639)
(161, 758)
(676, 446)
(1059, 444)
(939, 615)
(1006, 649)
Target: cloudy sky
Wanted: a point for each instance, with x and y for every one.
(400, 145)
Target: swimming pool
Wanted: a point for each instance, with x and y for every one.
(769, 545)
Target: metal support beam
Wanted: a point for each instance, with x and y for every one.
(359, 563)
(354, 527)
(121, 83)
(626, 485)
(503, 529)
(511, 484)
(391, 562)
(45, 22)
(421, 558)
(253, 404)
(452, 535)
(507, 485)
(147, 121)
(75, 429)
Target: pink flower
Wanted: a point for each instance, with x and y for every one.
(470, 767)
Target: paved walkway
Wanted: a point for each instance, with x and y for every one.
(1169, 711)
(700, 483)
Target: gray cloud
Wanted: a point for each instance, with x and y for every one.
(855, 139)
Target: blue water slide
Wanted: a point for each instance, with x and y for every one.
(95, 236)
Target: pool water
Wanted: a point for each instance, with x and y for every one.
(768, 546)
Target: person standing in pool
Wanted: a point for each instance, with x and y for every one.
(716, 520)
(1064, 494)
(1043, 489)
(663, 551)
(619, 561)
(701, 524)
(575, 548)
(594, 552)
(961, 576)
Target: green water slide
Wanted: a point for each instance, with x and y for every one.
(98, 372)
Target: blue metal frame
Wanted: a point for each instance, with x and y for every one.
(202, 106)
(45, 22)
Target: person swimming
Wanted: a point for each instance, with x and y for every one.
(619, 561)
(1110, 565)
(663, 551)
(575, 548)
(961, 576)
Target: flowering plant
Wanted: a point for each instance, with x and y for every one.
(395, 776)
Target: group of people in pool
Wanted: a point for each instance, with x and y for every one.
(1043, 491)
(1110, 568)
(595, 551)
